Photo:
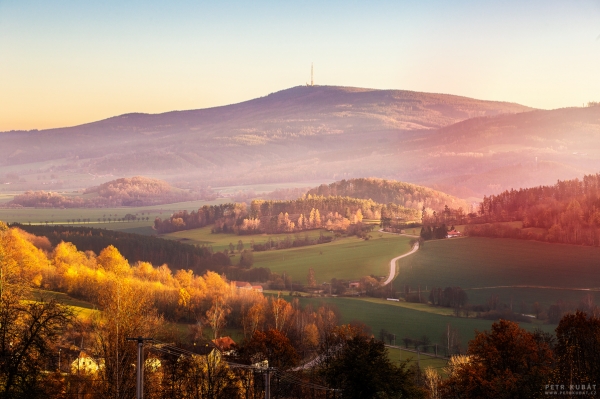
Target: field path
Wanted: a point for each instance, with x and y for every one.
(390, 278)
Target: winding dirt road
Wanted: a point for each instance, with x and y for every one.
(390, 278)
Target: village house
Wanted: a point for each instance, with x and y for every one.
(225, 344)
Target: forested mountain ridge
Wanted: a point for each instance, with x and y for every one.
(302, 133)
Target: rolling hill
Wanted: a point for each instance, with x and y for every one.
(134, 191)
(390, 191)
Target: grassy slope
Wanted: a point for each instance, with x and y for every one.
(344, 258)
(347, 258)
(476, 262)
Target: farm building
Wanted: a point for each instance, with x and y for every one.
(244, 285)
(257, 288)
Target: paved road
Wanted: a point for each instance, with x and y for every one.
(393, 264)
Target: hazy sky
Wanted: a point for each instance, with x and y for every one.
(68, 62)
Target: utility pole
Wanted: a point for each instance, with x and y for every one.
(139, 389)
(268, 383)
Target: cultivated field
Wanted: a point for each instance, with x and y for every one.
(477, 264)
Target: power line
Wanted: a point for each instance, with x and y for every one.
(284, 376)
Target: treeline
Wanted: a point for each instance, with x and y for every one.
(449, 297)
(140, 248)
(389, 191)
(288, 242)
(311, 212)
(569, 210)
(434, 232)
(268, 216)
(207, 215)
(135, 191)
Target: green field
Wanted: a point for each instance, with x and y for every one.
(486, 266)
(344, 258)
(219, 242)
(405, 322)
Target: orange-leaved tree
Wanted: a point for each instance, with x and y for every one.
(506, 362)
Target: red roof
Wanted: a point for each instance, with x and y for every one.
(224, 343)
